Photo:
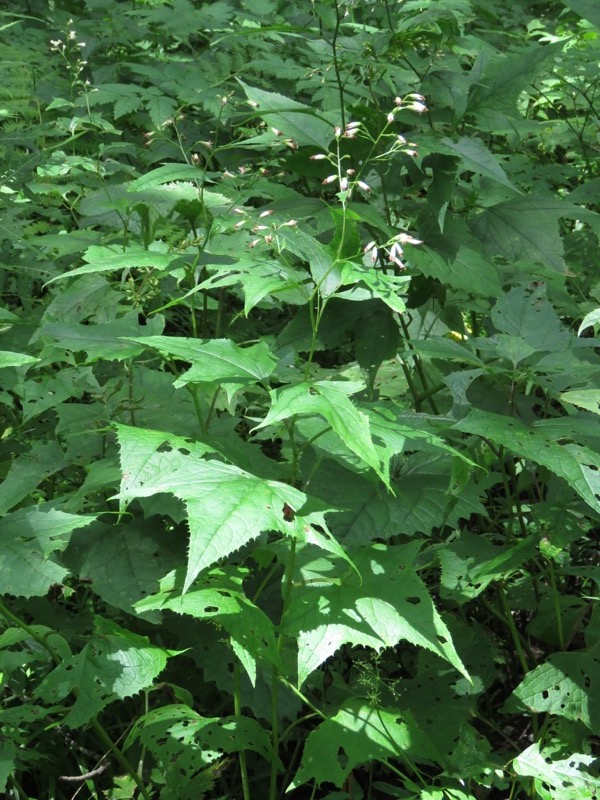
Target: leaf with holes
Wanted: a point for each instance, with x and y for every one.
(568, 685)
(227, 507)
(387, 604)
(358, 734)
(115, 663)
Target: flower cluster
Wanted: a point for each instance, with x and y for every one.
(392, 249)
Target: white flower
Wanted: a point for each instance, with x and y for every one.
(330, 179)
(318, 157)
(266, 213)
(364, 186)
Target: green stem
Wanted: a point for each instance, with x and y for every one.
(557, 609)
(237, 710)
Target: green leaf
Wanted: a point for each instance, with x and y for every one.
(160, 108)
(325, 271)
(387, 604)
(588, 9)
(227, 507)
(469, 271)
(526, 228)
(123, 562)
(471, 563)
(295, 120)
(29, 470)
(28, 539)
(328, 399)
(107, 259)
(386, 287)
(579, 466)
(9, 359)
(358, 734)
(583, 398)
(476, 157)
(568, 685)
(115, 663)
(107, 340)
(166, 174)
(215, 360)
(528, 315)
(568, 778)
(251, 632)
(497, 80)
(591, 319)
(185, 744)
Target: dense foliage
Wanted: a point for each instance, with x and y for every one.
(300, 391)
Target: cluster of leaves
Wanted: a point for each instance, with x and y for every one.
(300, 389)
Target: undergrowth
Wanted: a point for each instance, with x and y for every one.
(300, 388)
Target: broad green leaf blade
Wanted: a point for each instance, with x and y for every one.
(251, 632)
(568, 685)
(114, 664)
(186, 744)
(330, 400)
(579, 466)
(109, 259)
(500, 79)
(388, 604)
(476, 157)
(28, 539)
(215, 360)
(387, 287)
(227, 506)
(471, 563)
(295, 120)
(568, 778)
(324, 270)
(583, 398)
(105, 341)
(588, 9)
(362, 733)
(469, 271)
(28, 470)
(166, 174)
(528, 314)
(9, 359)
(123, 562)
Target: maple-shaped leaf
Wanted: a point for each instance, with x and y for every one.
(115, 663)
(388, 603)
(362, 733)
(227, 507)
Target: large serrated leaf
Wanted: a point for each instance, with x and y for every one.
(107, 259)
(567, 778)
(330, 400)
(526, 229)
(28, 539)
(362, 733)
(579, 466)
(471, 563)
(476, 157)
(227, 506)
(166, 174)
(295, 120)
(115, 663)
(185, 744)
(215, 360)
(387, 604)
(588, 9)
(251, 632)
(568, 685)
